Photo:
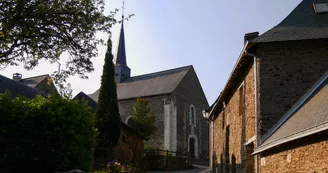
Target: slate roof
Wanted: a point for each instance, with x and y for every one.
(17, 89)
(301, 24)
(308, 116)
(152, 84)
(33, 81)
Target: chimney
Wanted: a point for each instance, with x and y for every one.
(17, 77)
(250, 36)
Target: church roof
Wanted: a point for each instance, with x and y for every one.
(159, 83)
(301, 24)
(308, 116)
(17, 89)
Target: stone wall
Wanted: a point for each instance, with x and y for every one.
(308, 154)
(156, 106)
(287, 71)
(189, 92)
(234, 127)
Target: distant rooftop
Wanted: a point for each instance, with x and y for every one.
(33, 81)
(17, 89)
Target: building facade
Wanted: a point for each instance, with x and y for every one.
(272, 73)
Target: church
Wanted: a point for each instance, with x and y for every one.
(175, 97)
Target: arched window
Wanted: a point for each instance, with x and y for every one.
(192, 115)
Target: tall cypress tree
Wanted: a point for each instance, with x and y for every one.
(107, 113)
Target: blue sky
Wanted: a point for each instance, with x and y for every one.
(207, 34)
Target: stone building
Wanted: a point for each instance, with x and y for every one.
(272, 73)
(299, 141)
(175, 97)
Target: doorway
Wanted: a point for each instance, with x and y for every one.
(250, 161)
(192, 147)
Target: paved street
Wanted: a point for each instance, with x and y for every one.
(197, 169)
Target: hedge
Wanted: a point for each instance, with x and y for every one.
(45, 134)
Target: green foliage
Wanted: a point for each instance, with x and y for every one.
(114, 167)
(65, 90)
(149, 148)
(145, 119)
(107, 113)
(44, 29)
(45, 134)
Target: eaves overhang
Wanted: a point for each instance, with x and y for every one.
(242, 60)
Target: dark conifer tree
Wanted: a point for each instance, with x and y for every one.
(107, 113)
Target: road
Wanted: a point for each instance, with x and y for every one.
(197, 169)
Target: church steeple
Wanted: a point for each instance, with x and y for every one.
(120, 57)
(122, 71)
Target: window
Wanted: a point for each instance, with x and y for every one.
(241, 100)
(192, 115)
(321, 7)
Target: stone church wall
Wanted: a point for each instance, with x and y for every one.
(156, 106)
(172, 112)
(189, 92)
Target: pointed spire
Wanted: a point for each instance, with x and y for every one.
(122, 71)
(120, 57)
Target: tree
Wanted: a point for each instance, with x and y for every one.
(143, 117)
(107, 113)
(47, 135)
(44, 29)
(144, 120)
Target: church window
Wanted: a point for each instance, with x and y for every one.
(192, 115)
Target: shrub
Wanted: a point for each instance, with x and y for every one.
(45, 134)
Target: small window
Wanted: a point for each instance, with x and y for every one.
(321, 7)
(241, 100)
(192, 115)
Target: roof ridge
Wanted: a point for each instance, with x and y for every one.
(35, 76)
(158, 72)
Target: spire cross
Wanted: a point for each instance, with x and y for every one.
(123, 11)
